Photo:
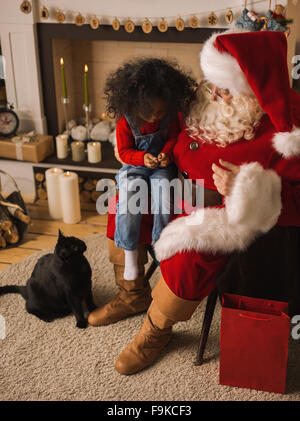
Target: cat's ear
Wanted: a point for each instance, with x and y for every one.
(60, 235)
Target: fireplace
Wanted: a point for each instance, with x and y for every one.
(103, 51)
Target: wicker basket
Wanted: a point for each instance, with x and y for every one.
(14, 199)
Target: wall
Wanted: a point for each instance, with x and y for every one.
(138, 10)
(19, 46)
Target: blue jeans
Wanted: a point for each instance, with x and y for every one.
(128, 223)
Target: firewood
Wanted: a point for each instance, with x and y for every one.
(2, 241)
(95, 195)
(5, 222)
(42, 194)
(88, 185)
(39, 177)
(12, 235)
(17, 213)
(85, 196)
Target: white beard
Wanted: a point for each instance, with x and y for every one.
(221, 122)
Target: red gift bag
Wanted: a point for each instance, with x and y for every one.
(254, 343)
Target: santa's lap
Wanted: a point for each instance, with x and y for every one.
(192, 275)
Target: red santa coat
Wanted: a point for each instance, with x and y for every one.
(266, 192)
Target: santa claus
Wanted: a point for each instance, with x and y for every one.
(242, 137)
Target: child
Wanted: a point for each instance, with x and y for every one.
(145, 95)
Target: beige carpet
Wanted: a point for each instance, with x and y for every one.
(57, 361)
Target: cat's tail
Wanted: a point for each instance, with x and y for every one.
(14, 289)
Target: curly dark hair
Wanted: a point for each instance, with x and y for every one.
(133, 86)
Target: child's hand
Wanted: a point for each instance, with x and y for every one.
(164, 160)
(150, 161)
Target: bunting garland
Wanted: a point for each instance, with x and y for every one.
(147, 24)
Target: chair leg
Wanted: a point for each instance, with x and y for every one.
(208, 315)
(150, 271)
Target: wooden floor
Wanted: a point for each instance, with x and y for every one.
(43, 231)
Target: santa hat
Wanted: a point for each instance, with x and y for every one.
(256, 63)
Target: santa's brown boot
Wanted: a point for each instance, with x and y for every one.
(165, 310)
(133, 296)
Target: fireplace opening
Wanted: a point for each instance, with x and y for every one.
(101, 58)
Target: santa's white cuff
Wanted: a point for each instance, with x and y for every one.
(255, 199)
(253, 207)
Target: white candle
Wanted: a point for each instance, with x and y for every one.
(78, 153)
(94, 152)
(70, 202)
(62, 146)
(53, 192)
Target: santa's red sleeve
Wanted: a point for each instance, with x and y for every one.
(262, 197)
(289, 172)
(125, 144)
(288, 167)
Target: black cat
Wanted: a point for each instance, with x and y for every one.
(60, 283)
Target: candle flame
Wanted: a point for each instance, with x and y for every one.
(61, 61)
(86, 68)
(67, 173)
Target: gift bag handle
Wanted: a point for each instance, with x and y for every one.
(253, 318)
(11, 179)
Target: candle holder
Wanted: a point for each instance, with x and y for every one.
(87, 110)
(65, 102)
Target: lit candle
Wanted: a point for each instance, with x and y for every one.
(62, 146)
(69, 193)
(86, 93)
(78, 153)
(53, 192)
(94, 152)
(63, 78)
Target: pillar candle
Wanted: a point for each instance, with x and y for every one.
(94, 152)
(62, 146)
(78, 153)
(53, 192)
(70, 202)
(63, 78)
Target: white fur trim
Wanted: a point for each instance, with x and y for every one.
(288, 143)
(222, 70)
(255, 199)
(213, 234)
(253, 207)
